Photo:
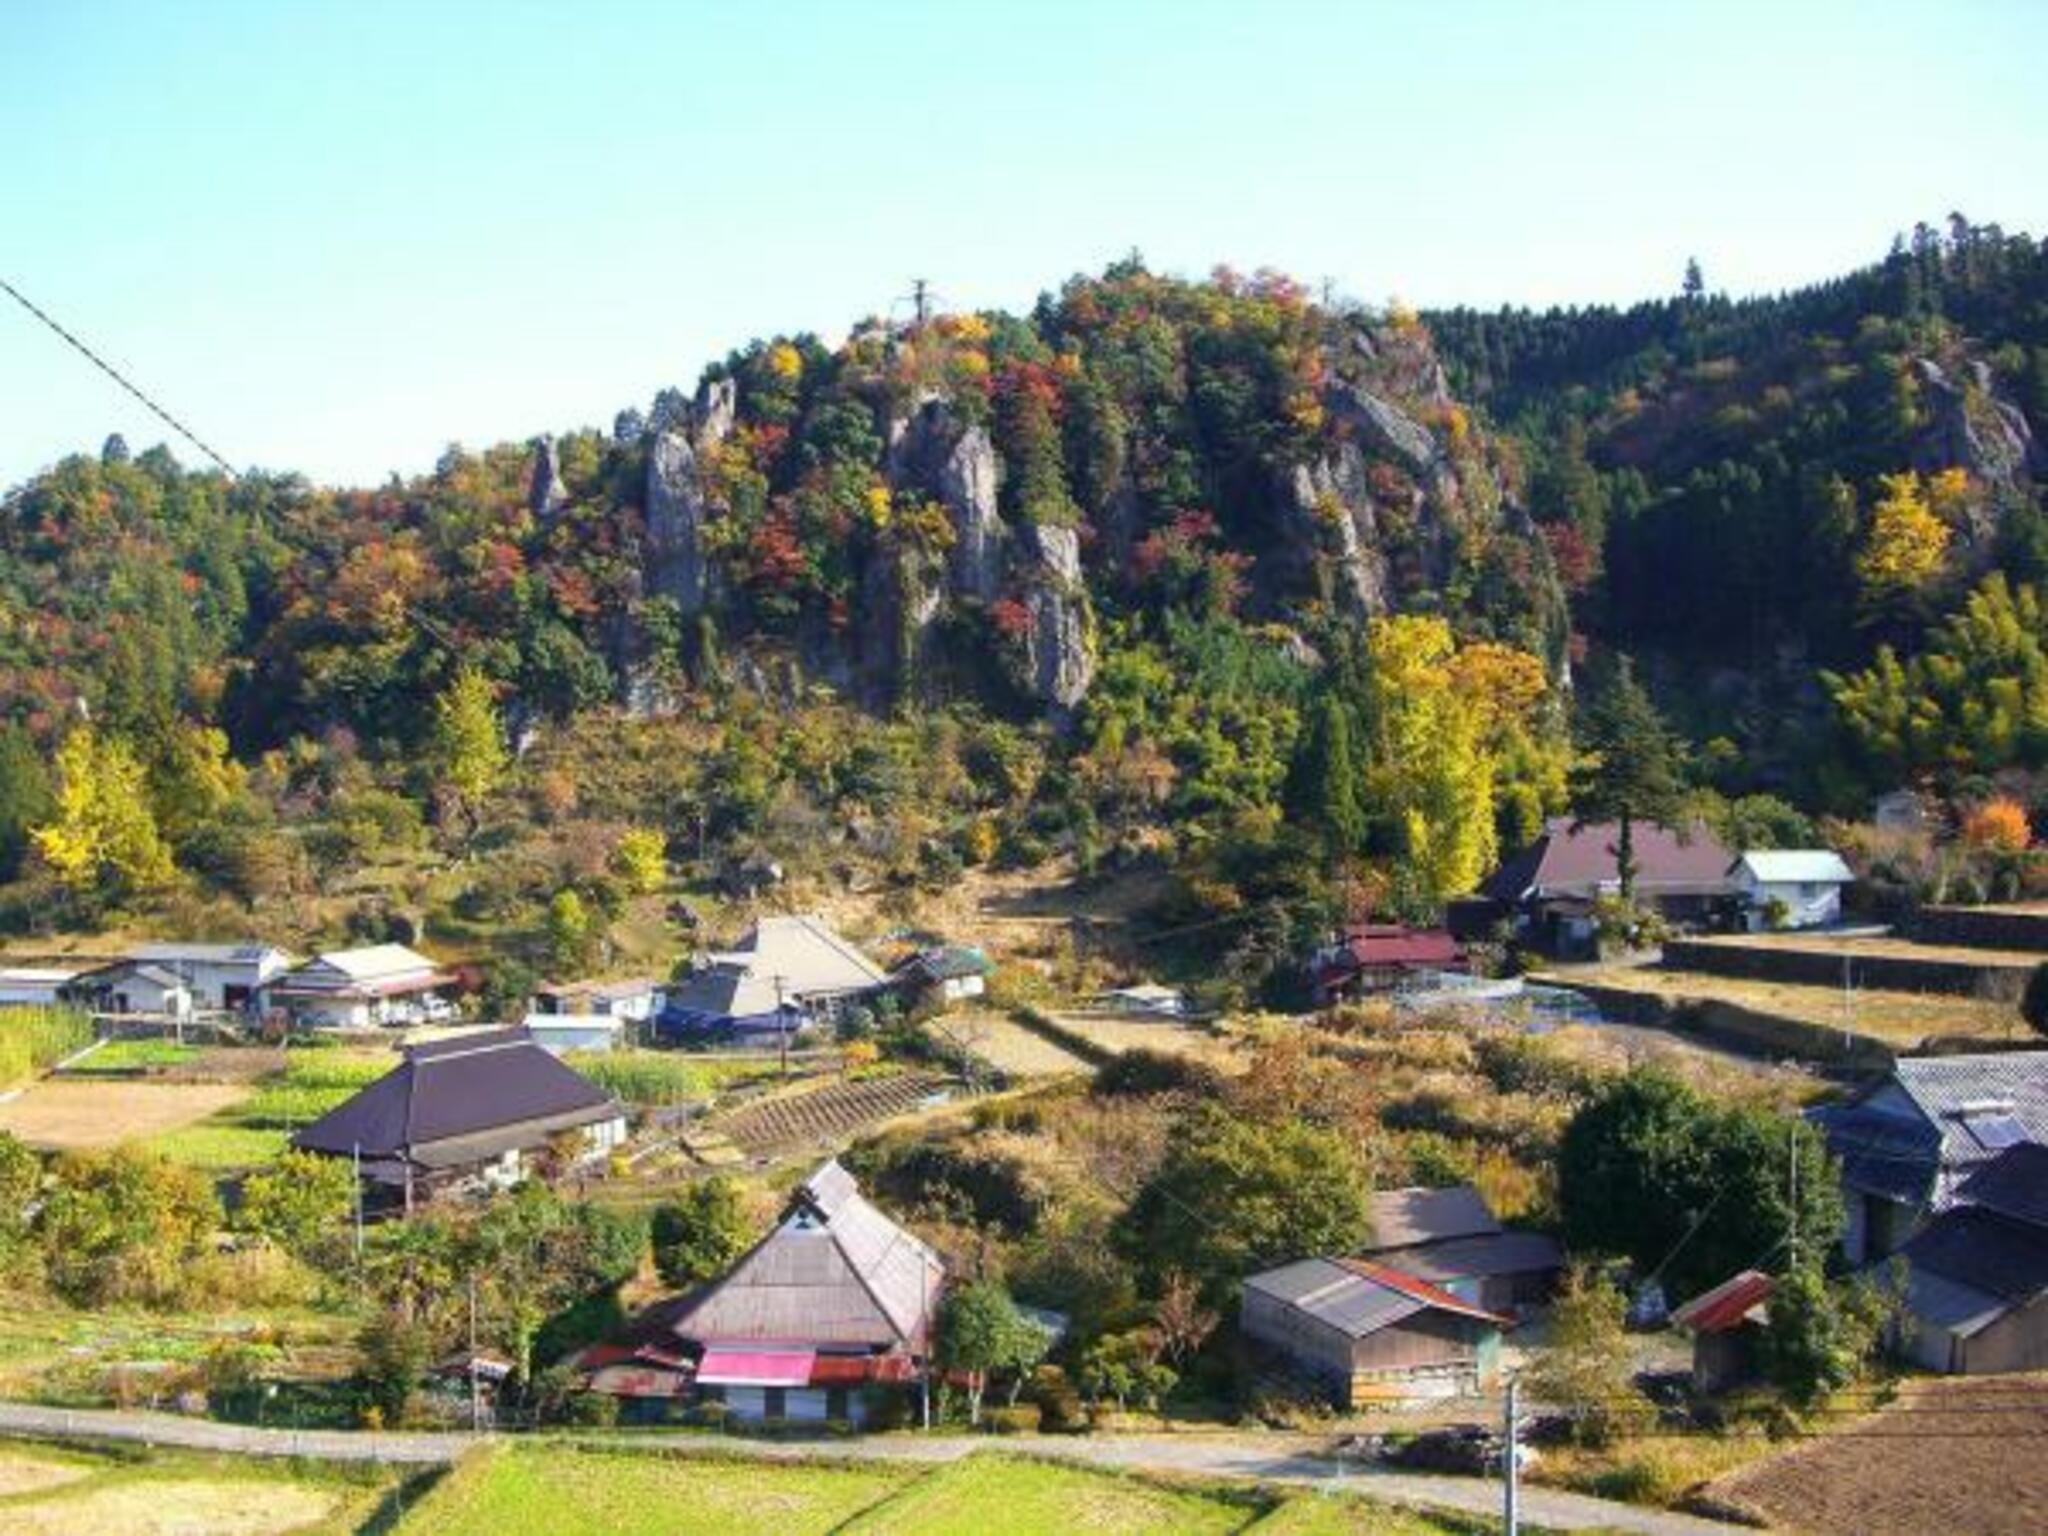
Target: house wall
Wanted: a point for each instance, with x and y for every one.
(1315, 1347)
(2016, 1342)
(1432, 1354)
(1808, 904)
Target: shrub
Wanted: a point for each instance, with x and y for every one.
(1060, 1409)
(1998, 826)
(1023, 1419)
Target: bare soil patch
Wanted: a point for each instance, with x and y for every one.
(1117, 1034)
(184, 1507)
(69, 1114)
(1007, 1045)
(1954, 1455)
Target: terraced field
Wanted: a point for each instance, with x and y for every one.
(1008, 1046)
(828, 1116)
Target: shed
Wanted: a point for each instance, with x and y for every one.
(1726, 1324)
(26, 986)
(635, 998)
(1147, 1000)
(1450, 1238)
(225, 977)
(952, 973)
(131, 986)
(1806, 882)
(559, 1032)
(1368, 1332)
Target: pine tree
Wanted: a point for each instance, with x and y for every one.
(1630, 771)
(1323, 783)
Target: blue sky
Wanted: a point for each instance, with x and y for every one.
(337, 237)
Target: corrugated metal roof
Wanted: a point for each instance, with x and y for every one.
(1728, 1306)
(1479, 1257)
(1795, 866)
(1401, 1217)
(2013, 1184)
(1357, 1296)
(1983, 1251)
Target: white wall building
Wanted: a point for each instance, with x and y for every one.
(362, 988)
(1808, 881)
(226, 977)
(23, 986)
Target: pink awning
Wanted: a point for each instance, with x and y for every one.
(756, 1367)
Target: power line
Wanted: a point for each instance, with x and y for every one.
(115, 374)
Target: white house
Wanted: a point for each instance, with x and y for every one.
(131, 986)
(1807, 881)
(224, 977)
(23, 986)
(951, 973)
(362, 988)
(559, 1032)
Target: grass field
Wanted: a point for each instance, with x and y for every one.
(70, 1114)
(255, 1128)
(539, 1490)
(50, 1492)
(138, 1056)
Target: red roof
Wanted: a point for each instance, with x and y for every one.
(1728, 1305)
(1573, 860)
(756, 1367)
(1386, 944)
(1421, 1290)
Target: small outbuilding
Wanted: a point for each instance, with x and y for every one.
(1451, 1238)
(1727, 1324)
(379, 984)
(636, 998)
(1369, 1333)
(225, 978)
(1976, 1275)
(1791, 887)
(1145, 1000)
(27, 986)
(131, 987)
(946, 973)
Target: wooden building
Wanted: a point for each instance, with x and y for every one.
(1449, 1237)
(1367, 1333)
(1727, 1325)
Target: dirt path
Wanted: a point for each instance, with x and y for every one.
(1288, 1459)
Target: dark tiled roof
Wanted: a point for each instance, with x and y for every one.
(2014, 1184)
(1983, 1251)
(461, 1090)
(1954, 1091)
(1402, 1217)
(1881, 1154)
(1479, 1257)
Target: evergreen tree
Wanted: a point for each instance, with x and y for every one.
(1630, 771)
(1323, 790)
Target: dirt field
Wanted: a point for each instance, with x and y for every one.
(1008, 1046)
(1960, 1455)
(1899, 1019)
(68, 1114)
(1117, 1034)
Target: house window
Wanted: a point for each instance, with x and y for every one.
(777, 1404)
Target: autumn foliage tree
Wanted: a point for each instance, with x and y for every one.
(1998, 826)
(103, 837)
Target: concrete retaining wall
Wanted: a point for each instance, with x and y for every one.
(1766, 1034)
(1982, 928)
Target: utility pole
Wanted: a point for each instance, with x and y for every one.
(920, 294)
(356, 1161)
(782, 1024)
(1792, 1173)
(1510, 1470)
(476, 1397)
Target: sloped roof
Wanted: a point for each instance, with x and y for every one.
(610, 991)
(375, 962)
(1358, 1297)
(1735, 1301)
(728, 991)
(1969, 1100)
(808, 956)
(1390, 944)
(2014, 1184)
(1401, 1217)
(1984, 1252)
(1569, 860)
(1480, 1256)
(249, 952)
(834, 1271)
(450, 1099)
(1795, 866)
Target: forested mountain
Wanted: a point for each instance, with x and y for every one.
(1197, 553)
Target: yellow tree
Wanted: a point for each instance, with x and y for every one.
(103, 833)
(469, 749)
(1431, 770)
(1907, 542)
(642, 857)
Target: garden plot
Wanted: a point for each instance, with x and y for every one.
(827, 1117)
(74, 1114)
(1007, 1046)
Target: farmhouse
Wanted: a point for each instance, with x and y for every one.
(946, 973)
(787, 972)
(1907, 1144)
(131, 986)
(1791, 887)
(835, 1299)
(465, 1111)
(1976, 1281)
(362, 988)
(221, 977)
(1367, 1332)
(1450, 1238)
(1546, 892)
(1377, 957)
(1727, 1325)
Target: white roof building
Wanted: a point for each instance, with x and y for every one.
(1802, 887)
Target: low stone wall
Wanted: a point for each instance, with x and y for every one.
(1982, 927)
(1957, 977)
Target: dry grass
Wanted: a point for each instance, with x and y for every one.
(1007, 1045)
(1954, 1454)
(1116, 1034)
(71, 1115)
(1900, 1019)
(22, 1474)
(1850, 946)
(181, 1507)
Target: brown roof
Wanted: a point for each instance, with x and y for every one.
(834, 1271)
(1574, 860)
(1402, 1217)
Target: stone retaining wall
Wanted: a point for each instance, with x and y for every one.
(1998, 981)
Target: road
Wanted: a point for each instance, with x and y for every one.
(1288, 1459)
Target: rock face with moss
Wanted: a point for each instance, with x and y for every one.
(677, 506)
(1059, 652)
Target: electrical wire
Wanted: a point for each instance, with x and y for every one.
(116, 375)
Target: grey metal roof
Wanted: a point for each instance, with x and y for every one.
(1881, 1154)
(247, 953)
(1940, 1302)
(470, 1089)
(834, 1270)
(1984, 1252)
(1795, 866)
(1480, 1256)
(1332, 1294)
(1401, 1217)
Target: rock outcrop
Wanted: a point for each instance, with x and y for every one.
(1972, 427)
(546, 494)
(676, 504)
(1059, 647)
(956, 466)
